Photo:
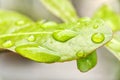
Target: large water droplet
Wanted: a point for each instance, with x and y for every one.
(80, 54)
(98, 37)
(31, 38)
(64, 35)
(8, 44)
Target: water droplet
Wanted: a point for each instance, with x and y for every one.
(21, 22)
(98, 37)
(95, 27)
(80, 54)
(49, 24)
(8, 44)
(64, 35)
(31, 38)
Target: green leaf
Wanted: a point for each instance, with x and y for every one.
(37, 53)
(56, 8)
(11, 22)
(40, 44)
(114, 45)
(62, 9)
(84, 64)
(109, 16)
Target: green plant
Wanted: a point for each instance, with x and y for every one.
(48, 41)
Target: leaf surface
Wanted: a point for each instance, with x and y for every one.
(11, 22)
(69, 15)
(57, 44)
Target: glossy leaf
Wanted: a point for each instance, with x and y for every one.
(58, 7)
(109, 16)
(41, 45)
(84, 64)
(61, 8)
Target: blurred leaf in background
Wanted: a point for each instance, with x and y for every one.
(62, 9)
(109, 16)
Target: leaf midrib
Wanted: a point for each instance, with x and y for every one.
(29, 33)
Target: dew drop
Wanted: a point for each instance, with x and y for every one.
(49, 24)
(8, 44)
(64, 35)
(31, 38)
(98, 37)
(95, 27)
(80, 54)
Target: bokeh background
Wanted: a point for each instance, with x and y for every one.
(15, 67)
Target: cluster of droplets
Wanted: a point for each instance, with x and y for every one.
(9, 43)
(97, 37)
(63, 36)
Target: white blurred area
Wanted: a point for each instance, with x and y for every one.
(14, 67)
(88, 7)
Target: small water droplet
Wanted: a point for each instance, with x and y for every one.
(8, 44)
(21, 22)
(98, 37)
(95, 27)
(49, 24)
(80, 54)
(64, 35)
(31, 38)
